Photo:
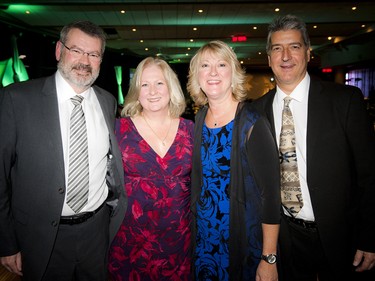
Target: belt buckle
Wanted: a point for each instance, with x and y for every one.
(305, 224)
(76, 219)
(301, 222)
(80, 218)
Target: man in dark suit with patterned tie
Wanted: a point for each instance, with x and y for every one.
(332, 237)
(48, 231)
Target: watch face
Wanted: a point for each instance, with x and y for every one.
(271, 258)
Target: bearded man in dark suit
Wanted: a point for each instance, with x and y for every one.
(43, 237)
(332, 236)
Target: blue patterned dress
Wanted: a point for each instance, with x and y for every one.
(212, 253)
(235, 188)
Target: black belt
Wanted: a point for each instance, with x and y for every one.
(300, 222)
(79, 218)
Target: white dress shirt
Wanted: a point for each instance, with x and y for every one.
(299, 108)
(97, 137)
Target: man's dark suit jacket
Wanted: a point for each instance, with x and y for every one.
(32, 178)
(340, 168)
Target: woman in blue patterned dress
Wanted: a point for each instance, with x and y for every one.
(235, 177)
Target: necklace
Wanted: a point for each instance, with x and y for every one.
(162, 140)
(223, 115)
(216, 123)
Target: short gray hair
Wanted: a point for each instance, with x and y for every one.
(284, 23)
(87, 27)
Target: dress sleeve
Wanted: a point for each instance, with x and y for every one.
(264, 163)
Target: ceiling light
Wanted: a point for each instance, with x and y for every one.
(255, 27)
(191, 40)
(146, 49)
(194, 28)
(329, 38)
(122, 12)
(277, 10)
(134, 29)
(27, 12)
(141, 41)
(315, 26)
(200, 11)
(354, 8)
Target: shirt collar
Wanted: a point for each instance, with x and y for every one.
(65, 91)
(300, 93)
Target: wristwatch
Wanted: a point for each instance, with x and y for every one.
(271, 258)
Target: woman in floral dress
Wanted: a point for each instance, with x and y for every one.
(153, 242)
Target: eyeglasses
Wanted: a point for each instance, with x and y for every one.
(77, 54)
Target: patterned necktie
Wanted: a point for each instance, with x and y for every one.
(291, 196)
(78, 179)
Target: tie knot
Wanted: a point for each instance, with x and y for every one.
(287, 101)
(77, 99)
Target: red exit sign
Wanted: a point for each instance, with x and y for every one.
(241, 38)
(327, 70)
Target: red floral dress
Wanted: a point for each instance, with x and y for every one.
(153, 242)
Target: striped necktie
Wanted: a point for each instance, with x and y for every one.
(291, 196)
(78, 179)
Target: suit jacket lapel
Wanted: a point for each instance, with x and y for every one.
(105, 109)
(315, 120)
(269, 110)
(50, 111)
(110, 125)
(115, 178)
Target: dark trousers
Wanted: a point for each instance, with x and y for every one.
(80, 251)
(302, 257)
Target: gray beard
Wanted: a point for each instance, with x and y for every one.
(81, 82)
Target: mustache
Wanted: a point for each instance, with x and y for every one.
(81, 66)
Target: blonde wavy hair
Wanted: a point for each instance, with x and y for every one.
(177, 103)
(224, 52)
